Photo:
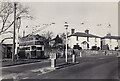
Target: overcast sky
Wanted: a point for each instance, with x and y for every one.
(90, 13)
(75, 13)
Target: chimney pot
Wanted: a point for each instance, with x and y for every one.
(87, 31)
(72, 31)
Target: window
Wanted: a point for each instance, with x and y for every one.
(27, 48)
(31, 38)
(39, 48)
(39, 43)
(95, 39)
(33, 47)
(37, 38)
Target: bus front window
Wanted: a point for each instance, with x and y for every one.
(33, 47)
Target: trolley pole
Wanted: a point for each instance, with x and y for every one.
(14, 29)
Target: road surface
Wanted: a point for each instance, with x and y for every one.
(85, 68)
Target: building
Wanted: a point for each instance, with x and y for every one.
(6, 48)
(110, 42)
(56, 41)
(84, 39)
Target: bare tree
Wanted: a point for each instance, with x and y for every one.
(6, 15)
(48, 35)
(63, 36)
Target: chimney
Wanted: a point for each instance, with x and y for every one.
(72, 31)
(87, 31)
(109, 34)
(23, 33)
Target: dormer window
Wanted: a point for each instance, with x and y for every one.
(95, 39)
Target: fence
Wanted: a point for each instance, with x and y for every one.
(99, 53)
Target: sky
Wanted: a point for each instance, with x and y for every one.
(75, 13)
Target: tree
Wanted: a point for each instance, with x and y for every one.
(63, 37)
(48, 35)
(6, 15)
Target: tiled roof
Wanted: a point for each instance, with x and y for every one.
(80, 34)
(33, 35)
(112, 37)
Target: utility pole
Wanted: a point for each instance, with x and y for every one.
(14, 29)
(18, 23)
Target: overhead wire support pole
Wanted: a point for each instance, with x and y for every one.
(14, 29)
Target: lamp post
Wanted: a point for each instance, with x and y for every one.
(66, 27)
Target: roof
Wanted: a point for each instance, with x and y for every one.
(80, 34)
(36, 36)
(112, 37)
(32, 35)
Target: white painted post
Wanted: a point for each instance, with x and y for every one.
(80, 54)
(53, 59)
(73, 58)
(53, 63)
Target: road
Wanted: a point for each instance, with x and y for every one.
(86, 68)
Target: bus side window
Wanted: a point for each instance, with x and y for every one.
(27, 48)
(39, 48)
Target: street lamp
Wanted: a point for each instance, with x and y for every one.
(66, 27)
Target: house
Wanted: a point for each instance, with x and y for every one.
(56, 41)
(84, 39)
(58, 46)
(110, 42)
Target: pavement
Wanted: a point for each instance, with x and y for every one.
(9, 62)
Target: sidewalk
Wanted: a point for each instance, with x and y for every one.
(9, 62)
